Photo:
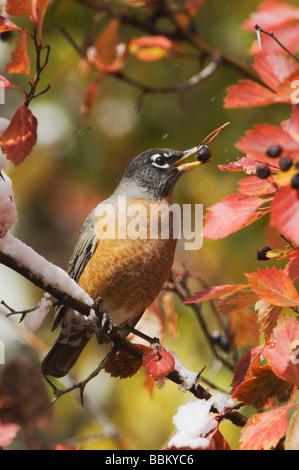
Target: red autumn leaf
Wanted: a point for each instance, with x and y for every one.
(279, 17)
(263, 389)
(246, 94)
(244, 366)
(272, 285)
(282, 352)
(158, 363)
(285, 212)
(264, 430)
(237, 301)
(254, 186)
(214, 292)
(291, 126)
(150, 48)
(8, 432)
(7, 25)
(277, 70)
(231, 214)
(271, 14)
(20, 136)
(258, 140)
(20, 60)
(246, 164)
(124, 364)
(107, 54)
(292, 268)
(18, 7)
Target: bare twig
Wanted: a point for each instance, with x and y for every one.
(39, 67)
(259, 30)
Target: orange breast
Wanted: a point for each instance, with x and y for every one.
(129, 273)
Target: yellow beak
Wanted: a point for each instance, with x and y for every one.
(187, 154)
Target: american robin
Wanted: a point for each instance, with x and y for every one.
(126, 272)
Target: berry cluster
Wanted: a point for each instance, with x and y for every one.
(285, 163)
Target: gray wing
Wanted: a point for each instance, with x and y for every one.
(82, 253)
(84, 248)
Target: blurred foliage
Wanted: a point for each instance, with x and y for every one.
(79, 160)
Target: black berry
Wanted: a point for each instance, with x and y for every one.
(204, 154)
(285, 163)
(295, 181)
(262, 254)
(274, 151)
(297, 165)
(263, 171)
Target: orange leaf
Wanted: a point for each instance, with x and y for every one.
(106, 54)
(150, 48)
(39, 8)
(237, 301)
(244, 328)
(20, 60)
(214, 292)
(272, 285)
(264, 430)
(18, 7)
(20, 136)
(158, 363)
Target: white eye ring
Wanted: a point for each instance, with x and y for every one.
(158, 155)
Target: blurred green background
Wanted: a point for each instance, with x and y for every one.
(79, 160)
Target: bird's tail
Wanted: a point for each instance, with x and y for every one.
(72, 339)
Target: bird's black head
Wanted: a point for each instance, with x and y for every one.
(154, 172)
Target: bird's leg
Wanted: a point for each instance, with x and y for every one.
(104, 323)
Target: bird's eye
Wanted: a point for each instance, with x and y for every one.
(160, 160)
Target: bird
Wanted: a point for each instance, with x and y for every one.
(126, 272)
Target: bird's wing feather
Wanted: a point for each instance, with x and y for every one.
(82, 253)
